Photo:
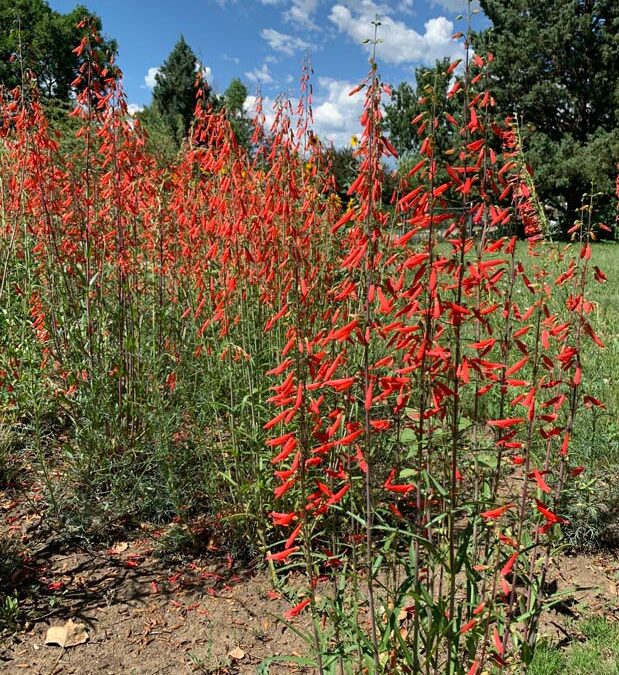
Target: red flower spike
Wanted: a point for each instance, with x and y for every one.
(541, 483)
(282, 555)
(469, 625)
(297, 609)
(507, 568)
(493, 514)
(474, 669)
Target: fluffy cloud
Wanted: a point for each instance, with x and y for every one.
(301, 12)
(336, 114)
(134, 108)
(149, 78)
(260, 75)
(207, 74)
(281, 42)
(399, 43)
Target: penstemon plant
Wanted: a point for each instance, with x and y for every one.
(381, 396)
(441, 425)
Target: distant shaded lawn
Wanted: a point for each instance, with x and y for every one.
(598, 654)
(598, 449)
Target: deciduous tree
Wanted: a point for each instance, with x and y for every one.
(36, 41)
(556, 65)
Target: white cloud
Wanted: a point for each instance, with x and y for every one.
(399, 44)
(207, 74)
(336, 114)
(267, 108)
(134, 108)
(232, 59)
(300, 14)
(149, 78)
(281, 42)
(260, 75)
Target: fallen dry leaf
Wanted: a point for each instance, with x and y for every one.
(7, 505)
(69, 635)
(120, 547)
(237, 654)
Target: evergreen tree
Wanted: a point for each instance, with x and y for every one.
(398, 115)
(556, 65)
(233, 102)
(174, 94)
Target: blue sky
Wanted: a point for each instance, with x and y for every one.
(263, 42)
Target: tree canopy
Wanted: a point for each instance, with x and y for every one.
(556, 66)
(35, 38)
(233, 102)
(169, 117)
(174, 94)
(428, 94)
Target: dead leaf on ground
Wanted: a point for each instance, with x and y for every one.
(69, 635)
(120, 547)
(237, 654)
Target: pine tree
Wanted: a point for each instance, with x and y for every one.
(174, 94)
(233, 102)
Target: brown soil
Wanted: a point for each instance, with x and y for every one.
(585, 586)
(201, 614)
(177, 627)
(143, 614)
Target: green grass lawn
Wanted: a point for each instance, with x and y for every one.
(603, 365)
(596, 654)
(595, 648)
(594, 510)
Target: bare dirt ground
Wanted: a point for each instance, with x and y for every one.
(142, 613)
(147, 620)
(202, 614)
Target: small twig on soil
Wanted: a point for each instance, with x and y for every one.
(562, 630)
(56, 662)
